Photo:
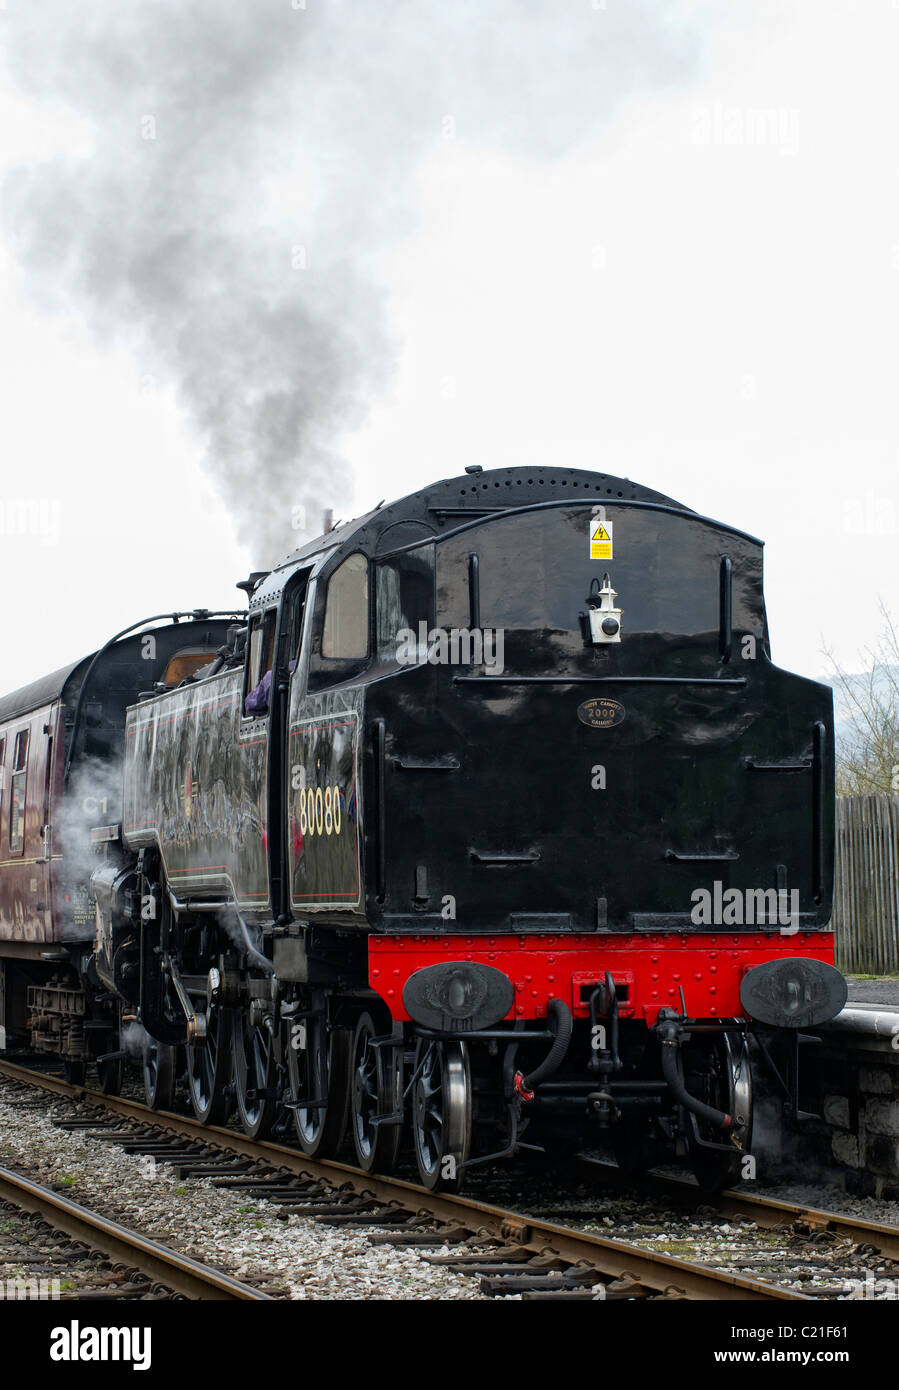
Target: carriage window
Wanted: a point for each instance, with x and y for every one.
(17, 794)
(346, 613)
(2, 775)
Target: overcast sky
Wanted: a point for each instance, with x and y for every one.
(658, 240)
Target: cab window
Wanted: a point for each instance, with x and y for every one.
(404, 601)
(345, 633)
(296, 610)
(17, 793)
(340, 636)
(260, 659)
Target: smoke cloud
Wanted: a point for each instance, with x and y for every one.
(251, 168)
(93, 798)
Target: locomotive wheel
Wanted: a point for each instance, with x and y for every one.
(441, 1113)
(377, 1085)
(730, 1089)
(209, 1069)
(254, 1071)
(160, 1070)
(318, 1067)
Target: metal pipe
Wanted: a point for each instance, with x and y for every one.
(196, 905)
(819, 745)
(379, 732)
(474, 592)
(578, 1104)
(880, 1023)
(254, 956)
(624, 1087)
(485, 1035)
(725, 607)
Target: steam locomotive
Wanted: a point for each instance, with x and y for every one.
(491, 824)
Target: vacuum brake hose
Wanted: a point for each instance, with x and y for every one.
(559, 1015)
(672, 1076)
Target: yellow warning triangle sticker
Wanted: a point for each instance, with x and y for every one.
(600, 538)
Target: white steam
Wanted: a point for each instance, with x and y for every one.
(93, 798)
(252, 168)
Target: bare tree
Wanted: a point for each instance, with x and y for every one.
(868, 749)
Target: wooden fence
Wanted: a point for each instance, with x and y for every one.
(866, 886)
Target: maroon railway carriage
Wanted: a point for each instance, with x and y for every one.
(61, 744)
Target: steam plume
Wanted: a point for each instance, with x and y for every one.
(252, 166)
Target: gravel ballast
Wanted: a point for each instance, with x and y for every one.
(292, 1257)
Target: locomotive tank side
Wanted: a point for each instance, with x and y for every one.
(195, 790)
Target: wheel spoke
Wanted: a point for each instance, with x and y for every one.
(253, 1054)
(321, 1070)
(376, 1090)
(209, 1067)
(441, 1113)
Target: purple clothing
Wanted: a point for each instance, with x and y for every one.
(257, 700)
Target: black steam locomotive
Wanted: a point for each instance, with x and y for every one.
(491, 822)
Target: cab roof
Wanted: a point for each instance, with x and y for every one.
(444, 505)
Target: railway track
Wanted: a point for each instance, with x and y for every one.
(145, 1266)
(508, 1252)
(768, 1212)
